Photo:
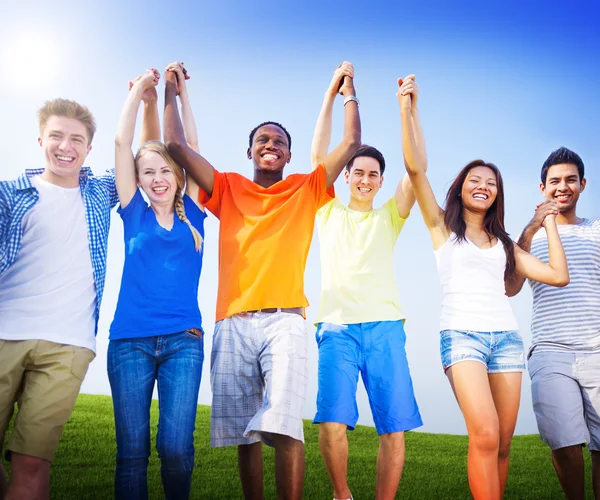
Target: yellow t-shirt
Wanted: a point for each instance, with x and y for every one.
(357, 266)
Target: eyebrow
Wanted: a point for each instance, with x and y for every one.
(278, 136)
(557, 178)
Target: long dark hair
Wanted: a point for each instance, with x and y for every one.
(493, 222)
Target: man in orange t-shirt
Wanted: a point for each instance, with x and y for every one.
(259, 356)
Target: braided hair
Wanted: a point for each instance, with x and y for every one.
(160, 149)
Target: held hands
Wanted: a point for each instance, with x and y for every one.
(408, 92)
(181, 75)
(344, 69)
(147, 83)
(545, 213)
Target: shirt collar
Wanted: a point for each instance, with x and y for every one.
(24, 180)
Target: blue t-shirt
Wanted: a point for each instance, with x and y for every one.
(159, 287)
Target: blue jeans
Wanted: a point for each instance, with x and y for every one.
(175, 362)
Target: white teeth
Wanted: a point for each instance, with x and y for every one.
(270, 157)
(364, 190)
(64, 158)
(159, 190)
(479, 196)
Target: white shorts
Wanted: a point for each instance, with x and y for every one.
(258, 374)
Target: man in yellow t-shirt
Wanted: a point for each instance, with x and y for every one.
(360, 323)
(259, 356)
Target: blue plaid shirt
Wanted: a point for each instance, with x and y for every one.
(19, 196)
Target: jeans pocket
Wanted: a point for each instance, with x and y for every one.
(195, 333)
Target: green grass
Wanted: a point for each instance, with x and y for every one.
(435, 464)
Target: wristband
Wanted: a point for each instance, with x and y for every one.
(351, 98)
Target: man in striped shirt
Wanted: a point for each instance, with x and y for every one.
(564, 358)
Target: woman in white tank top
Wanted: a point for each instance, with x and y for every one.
(482, 351)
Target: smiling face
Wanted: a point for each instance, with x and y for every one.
(479, 189)
(156, 178)
(65, 144)
(270, 149)
(364, 179)
(563, 186)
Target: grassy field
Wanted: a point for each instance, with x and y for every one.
(435, 463)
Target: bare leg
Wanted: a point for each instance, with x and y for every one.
(289, 467)
(596, 473)
(506, 392)
(469, 381)
(568, 464)
(29, 478)
(250, 465)
(390, 461)
(333, 443)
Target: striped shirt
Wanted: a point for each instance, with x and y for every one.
(568, 319)
(17, 197)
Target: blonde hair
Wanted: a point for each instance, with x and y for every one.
(68, 109)
(160, 149)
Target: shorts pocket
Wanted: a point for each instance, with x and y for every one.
(80, 361)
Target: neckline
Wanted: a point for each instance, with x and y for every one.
(159, 224)
(483, 249)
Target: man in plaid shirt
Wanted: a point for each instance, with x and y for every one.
(54, 225)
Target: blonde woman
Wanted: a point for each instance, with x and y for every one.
(156, 335)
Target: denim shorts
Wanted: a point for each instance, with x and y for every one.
(498, 351)
(376, 351)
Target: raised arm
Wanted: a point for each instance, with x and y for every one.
(515, 283)
(414, 162)
(196, 167)
(335, 161)
(125, 176)
(322, 133)
(405, 196)
(150, 122)
(189, 124)
(556, 272)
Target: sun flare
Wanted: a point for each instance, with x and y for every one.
(32, 57)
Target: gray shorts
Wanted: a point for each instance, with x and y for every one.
(258, 373)
(565, 387)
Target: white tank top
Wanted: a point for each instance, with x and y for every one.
(473, 294)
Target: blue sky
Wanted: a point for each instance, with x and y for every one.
(505, 81)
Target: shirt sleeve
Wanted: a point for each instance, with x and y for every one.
(318, 183)
(391, 207)
(5, 214)
(324, 212)
(194, 213)
(134, 208)
(108, 183)
(213, 202)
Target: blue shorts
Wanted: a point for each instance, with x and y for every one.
(498, 351)
(376, 350)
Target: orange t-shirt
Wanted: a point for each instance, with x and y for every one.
(264, 238)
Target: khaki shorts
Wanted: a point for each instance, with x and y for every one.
(43, 378)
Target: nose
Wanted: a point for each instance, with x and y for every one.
(65, 144)
(562, 186)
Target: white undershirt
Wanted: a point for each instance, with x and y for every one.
(48, 292)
